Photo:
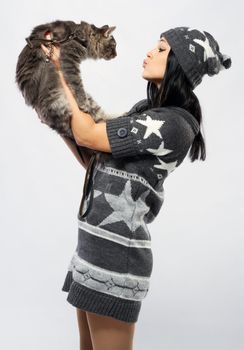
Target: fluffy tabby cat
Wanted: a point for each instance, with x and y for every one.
(38, 80)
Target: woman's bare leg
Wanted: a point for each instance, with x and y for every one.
(108, 333)
(85, 336)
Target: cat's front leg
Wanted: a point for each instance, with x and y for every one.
(76, 87)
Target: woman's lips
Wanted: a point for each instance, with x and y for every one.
(144, 63)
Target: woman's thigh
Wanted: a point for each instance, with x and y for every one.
(85, 336)
(108, 333)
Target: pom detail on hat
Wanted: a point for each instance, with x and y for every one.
(226, 61)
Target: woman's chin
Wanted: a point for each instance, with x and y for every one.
(145, 76)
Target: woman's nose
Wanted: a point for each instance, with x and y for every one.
(150, 53)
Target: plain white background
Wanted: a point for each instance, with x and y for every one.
(196, 295)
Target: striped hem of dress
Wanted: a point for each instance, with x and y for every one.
(100, 303)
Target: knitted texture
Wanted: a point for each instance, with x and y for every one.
(197, 53)
(109, 272)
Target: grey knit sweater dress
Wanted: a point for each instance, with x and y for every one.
(109, 271)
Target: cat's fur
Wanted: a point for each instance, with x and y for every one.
(39, 82)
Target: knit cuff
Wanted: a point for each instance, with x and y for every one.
(120, 138)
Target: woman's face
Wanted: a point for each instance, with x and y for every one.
(156, 61)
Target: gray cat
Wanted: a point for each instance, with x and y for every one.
(38, 80)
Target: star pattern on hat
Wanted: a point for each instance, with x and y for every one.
(166, 166)
(122, 205)
(152, 126)
(189, 29)
(208, 51)
(160, 151)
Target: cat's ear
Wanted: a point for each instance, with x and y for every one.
(107, 30)
(92, 26)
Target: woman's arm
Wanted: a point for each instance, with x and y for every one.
(86, 132)
(86, 153)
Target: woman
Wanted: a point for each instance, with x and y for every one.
(109, 273)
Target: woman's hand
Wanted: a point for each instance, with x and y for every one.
(52, 52)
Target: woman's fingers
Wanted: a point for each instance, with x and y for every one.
(44, 48)
(49, 52)
(52, 52)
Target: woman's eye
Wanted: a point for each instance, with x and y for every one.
(160, 49)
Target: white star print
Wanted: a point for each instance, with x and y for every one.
(152, 125)
(141, 210)
(121, 205)
(161, 151)
(166, 166)
(190, 29)
(208, 51)
(96, 193)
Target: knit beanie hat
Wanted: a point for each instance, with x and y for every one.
(197, 53)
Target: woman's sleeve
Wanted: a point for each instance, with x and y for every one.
(163, 132)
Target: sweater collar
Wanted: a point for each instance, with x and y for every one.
(188, 117)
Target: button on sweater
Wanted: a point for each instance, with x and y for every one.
(109, 271)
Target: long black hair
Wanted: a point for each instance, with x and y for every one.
(175, 90)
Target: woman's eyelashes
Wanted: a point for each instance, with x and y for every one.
(160, 49)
